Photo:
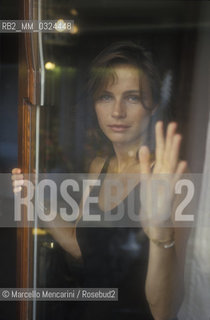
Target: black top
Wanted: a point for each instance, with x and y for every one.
(115, 257)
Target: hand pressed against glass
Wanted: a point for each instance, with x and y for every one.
(168, 168)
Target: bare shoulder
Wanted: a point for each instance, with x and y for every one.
(97, 164)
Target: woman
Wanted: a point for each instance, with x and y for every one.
(144, 262)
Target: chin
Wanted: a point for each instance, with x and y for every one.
(122, 138)
(115, 139)
(122, 141)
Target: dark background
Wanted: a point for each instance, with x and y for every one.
(8, 145)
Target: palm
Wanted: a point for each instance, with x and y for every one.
(158, 183)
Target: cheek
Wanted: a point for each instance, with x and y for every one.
(101, 114)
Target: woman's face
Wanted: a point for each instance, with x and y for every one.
(121, 115)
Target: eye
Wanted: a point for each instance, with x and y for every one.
(133, 98)
(105, 97)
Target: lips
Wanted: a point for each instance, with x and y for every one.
(118, 127)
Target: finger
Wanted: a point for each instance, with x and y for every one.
(171, 129)
(17, 177)
(160, 143)
(17, 183)
(175, 150)
(17, 189)
(144, 158)
(16, 170)
(181, 169)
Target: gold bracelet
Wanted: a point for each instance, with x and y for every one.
(166, 244)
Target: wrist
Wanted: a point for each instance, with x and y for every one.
(160, 233)
(161, 237)
(163, 243)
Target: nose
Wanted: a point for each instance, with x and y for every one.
(119, 109)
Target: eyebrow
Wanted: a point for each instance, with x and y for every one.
(105, 91)
(126, 92)
(132, 91)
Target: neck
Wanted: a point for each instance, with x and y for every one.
(126, 156)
